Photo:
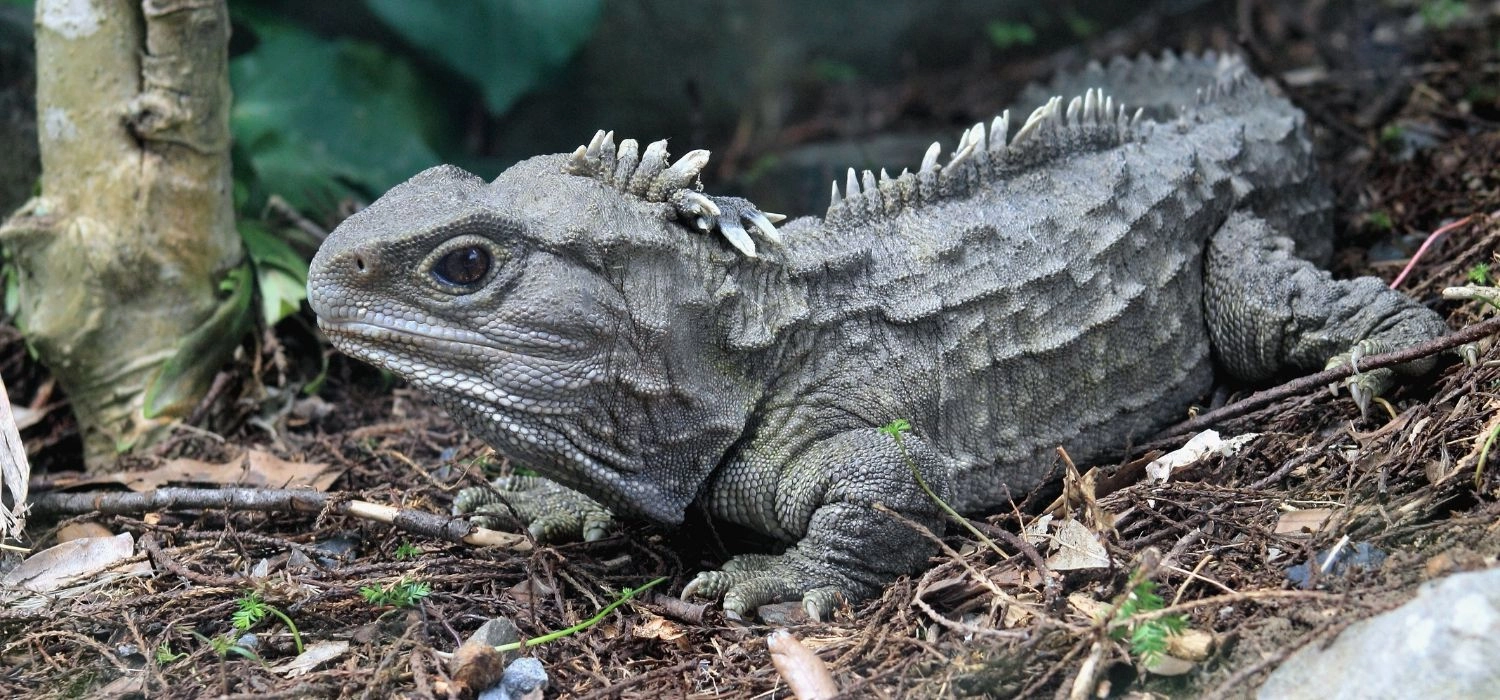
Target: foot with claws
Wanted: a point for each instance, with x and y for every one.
(1366, 385)
(1363, 386)
(551, 513)
(729, 216)
(647, 175)
(835, 502)
(749, 581)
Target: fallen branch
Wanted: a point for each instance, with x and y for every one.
(1322, 379)
(417, 522)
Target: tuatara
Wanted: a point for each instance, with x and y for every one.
(1074, 279)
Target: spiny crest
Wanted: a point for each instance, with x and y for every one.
(648, 177)
(1090, 121)
(1160, 84)
(644, 175)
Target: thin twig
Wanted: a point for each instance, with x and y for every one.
(1317, 381)
(276, 500)
(1426, 243)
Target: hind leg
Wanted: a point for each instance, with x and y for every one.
(1268, 311)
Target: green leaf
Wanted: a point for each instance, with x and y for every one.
(281, 295)
(323, 120)
(1005, 35)
(280, 274)
(507, 47)
(266, 249)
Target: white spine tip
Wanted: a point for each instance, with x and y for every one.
(929, 161)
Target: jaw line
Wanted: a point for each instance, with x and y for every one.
(376, 329)
(645, 497)
(369, 330)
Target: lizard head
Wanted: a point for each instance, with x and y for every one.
(549, 315)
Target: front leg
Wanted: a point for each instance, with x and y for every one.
(824, 499)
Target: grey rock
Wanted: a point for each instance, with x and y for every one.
(1070, 278)
(1444, 643)
(524, 679)
(495, 632)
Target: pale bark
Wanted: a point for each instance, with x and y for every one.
(122, 255)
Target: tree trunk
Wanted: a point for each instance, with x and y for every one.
(122, 257)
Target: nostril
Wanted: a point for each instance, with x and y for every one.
(359, 263)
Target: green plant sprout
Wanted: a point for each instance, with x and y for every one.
(401, 594)
(1440, 14)
(407, 550)
(1479, 274)
(223, 645)
(1005, 35)
(895, 429)
(1148, 638)
(624, 597)
(252, 610)
(164, 654)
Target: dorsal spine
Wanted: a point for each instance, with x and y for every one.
(1088, 122)
(1091, 121)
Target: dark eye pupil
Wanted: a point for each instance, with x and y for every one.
(464, 266)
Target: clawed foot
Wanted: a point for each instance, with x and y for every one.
(729, 216)
(749, 581)
(1363, 386)
(552, 513)
(1469, 352)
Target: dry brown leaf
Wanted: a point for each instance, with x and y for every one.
(805, 674)
(658, 627)
(69, 563)
(254, 469)
(1191, 645)
(1091, 609)
(1076, 547)
(315, 654)
(1015, 616)
(74, 531)
(1167, 665)
(1302, 523)
(529, 591)
(278, 473)
(15, 471)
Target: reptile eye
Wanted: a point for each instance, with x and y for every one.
(463, 267)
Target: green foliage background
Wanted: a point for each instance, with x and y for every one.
(330, 117)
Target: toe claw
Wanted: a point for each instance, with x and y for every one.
(763, 225)
(1470, 353)
(1361, 396)
(737, 237)
(691, 589)
(820, 602)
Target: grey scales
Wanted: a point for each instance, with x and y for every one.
(1074, 278)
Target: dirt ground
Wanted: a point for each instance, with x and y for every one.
(1404, 104)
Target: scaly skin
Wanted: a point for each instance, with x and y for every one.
(1074, 281)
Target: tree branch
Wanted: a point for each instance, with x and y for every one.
(1313, 382)
(416, 522)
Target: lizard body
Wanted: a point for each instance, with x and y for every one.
(1074, 279)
